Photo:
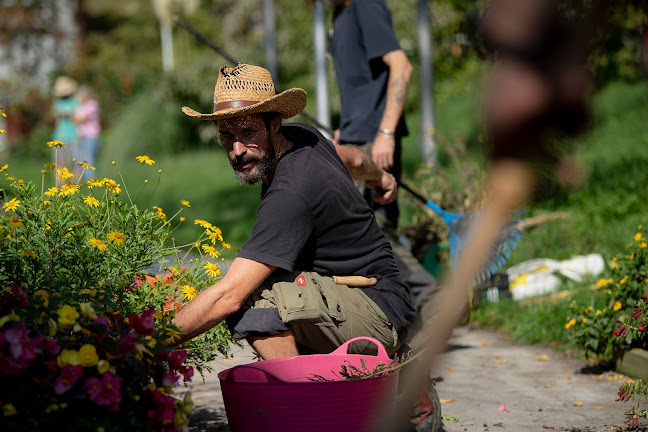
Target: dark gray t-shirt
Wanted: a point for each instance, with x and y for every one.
(312, 218)
(362, 34)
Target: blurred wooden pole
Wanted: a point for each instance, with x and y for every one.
(321, 88)
(270, 44)
(427, 130)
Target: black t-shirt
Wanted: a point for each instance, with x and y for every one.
(362, 34)
(312, 218)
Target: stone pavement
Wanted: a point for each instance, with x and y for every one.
(486, 383)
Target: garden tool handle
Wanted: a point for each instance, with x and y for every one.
(355, 281)
(421, 198)
(382, 352)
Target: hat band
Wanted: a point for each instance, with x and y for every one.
(233, 104)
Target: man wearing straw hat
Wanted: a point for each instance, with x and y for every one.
(285, 292)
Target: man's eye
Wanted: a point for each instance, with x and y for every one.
(250, 133)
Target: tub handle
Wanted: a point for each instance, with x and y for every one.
(267, 375)
(382, 353)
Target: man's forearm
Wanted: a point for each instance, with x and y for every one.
(400, 72)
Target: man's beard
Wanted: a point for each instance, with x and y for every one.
(258, 172)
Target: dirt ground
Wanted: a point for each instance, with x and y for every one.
(486, 383)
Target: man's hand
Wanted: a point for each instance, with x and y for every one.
(382, 151)
(386, 188)
(336, 137)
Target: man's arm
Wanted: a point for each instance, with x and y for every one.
(400, 71)
(222, 299)
(361, 167)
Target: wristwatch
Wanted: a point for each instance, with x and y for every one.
(386, 132)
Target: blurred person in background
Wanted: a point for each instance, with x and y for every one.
(86, 117)
(65, 130)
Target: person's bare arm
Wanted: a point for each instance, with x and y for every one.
(400, 72)
(361, 167)
(222, 299)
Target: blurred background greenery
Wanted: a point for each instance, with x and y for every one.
(118, 54)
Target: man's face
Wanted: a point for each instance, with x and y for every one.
(246, 140)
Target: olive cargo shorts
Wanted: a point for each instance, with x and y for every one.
(324, 315)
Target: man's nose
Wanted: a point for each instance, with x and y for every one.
(239, 148)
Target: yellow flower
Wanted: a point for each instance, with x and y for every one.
(85, 165)
(215, 234)
(212, 270)
(210, 250)
(50, 166)
(202, 223)
(88, 311)
(9, 178)
(3, 114)
(102, 366)
(112, 185)
(9, 410)
(116, 237)
(55, 143)
(622, 281)
(571, 323)
(638, 236)
(67, 357)
(601, 282)
(43, 295)
(69, 189)
(15, 222)
(63, 173)
(197, 245)
(617, 305)
(182, 218)
(159, 213)
(227, 245)
(145, 160)
(11, 205)
(21, 182)
(88, 355)
(45, 203)
(584, 320)
(173, 335)
(52, 191)
(91, 201)
(67, 315)
(189, 292)
(95, 242)
(589, 309)
(185, 203)
(643, 245)
(4, 167)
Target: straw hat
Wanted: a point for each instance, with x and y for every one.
(248, 89)
(64, 86)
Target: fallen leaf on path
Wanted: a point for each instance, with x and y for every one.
(498, 425)
(578, 403)
(500, 360)
(450, 369)
(447, 400)
(599, 407)
(543, 357)
(503, 409)
(548, 386)
(484, 344)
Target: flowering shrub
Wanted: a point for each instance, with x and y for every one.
(595, 326)
(86, 338)
(635, 390)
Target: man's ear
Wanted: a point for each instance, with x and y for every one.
(275, 124)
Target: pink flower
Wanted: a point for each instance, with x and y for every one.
(126, 344)
(176, 358)
(187, 372)
(69, 375)
(15, 298)
(142, 324)
(52, 346)
(105, 391)
(170, 378)
(164, 407)
(21, 345)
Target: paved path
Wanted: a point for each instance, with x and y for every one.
(541, 389)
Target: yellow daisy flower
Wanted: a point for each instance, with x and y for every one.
(145, 160)
(50, 165)
(91, 201)
(226, 245)
(55, 143)
(638, 237)
(617, 305)
(63, 173)
(4, 167)
(215, 234)
(212, 270)
(15, 222)
(9, 178)
(185, 203)
(116, 237)
(28, 253)
(69, 189)
(52, 191)
(95, 242)
(189, 292)
(173, 334)
(571, 323)
(12, 205)
(210, 250)
(203, 223)
(85, 165)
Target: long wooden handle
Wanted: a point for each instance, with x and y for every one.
(355, 281)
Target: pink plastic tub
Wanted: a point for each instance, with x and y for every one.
(280, 396)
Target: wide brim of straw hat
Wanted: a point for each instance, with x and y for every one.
(64, 86)
(288, 103)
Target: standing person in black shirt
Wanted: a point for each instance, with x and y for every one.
(373, 75)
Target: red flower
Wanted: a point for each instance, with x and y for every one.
(164, 407)
(176, 358)
(142, 324)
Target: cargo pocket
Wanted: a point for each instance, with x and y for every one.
(331, 296)
(297, 303)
